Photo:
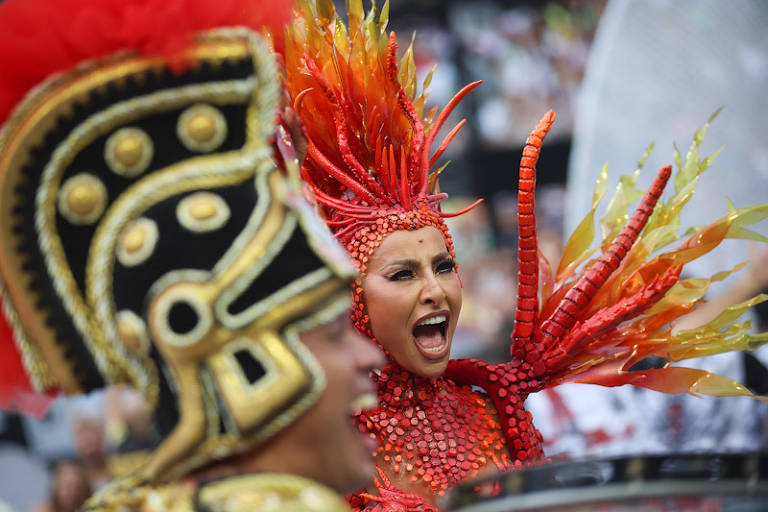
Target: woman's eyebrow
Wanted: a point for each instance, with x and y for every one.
(439, 258)
(408, 263)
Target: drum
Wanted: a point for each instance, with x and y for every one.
(679, 483)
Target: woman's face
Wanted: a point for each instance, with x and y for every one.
(413, 298)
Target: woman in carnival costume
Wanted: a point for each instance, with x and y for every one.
(153, 233)
(371, 167)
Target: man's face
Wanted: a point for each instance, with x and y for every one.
(340, 451)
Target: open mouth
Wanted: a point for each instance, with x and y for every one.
(362, 402)
(430, 336)
(356, 407)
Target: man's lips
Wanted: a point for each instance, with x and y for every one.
(367, 400)
(363, 401)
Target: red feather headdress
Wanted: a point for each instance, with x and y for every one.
(369, 157)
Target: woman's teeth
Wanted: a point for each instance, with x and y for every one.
(364, 401)
(433, 349)
(433, 320)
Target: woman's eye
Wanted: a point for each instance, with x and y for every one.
(446, 266)
(401, 275)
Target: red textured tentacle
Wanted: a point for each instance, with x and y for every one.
(353, 164)
(446, 142)
(527, 251)
(577, 298)
(443, 116)
(321, 81)
(407, 107)
(507, 385)
(609, 318)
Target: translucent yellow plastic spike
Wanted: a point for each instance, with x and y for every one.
(576, 249)
(688, 291)
(617, 213)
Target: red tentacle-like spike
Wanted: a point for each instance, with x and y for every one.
(436, 198)
(339, 223)
(392, 170)
(407, 107)
(383, 168)
(392, 59)
(405, 196)
(300, 98)
(321, 81)
(461, 212)
(446, 141)
(350, 209)
(527, 251)
(377, 157)
(441, 120)
(345, 235)
(609, 318)
(372, 122)
(320, 159)
(577, 298)
(352, 163)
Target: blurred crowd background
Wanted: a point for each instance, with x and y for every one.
(620, 74)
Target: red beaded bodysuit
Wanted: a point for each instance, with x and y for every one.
(370, 167)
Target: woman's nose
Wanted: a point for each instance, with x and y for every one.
(431, 291)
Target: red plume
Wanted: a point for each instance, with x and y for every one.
(42, 37)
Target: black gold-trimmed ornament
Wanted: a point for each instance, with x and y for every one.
(122, 291)
(129, 151)
(132, 331)
(82, 199)
(202, 212)
(202, 128)
(137, 242)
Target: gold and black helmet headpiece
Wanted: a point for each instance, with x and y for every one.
(148, 236)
